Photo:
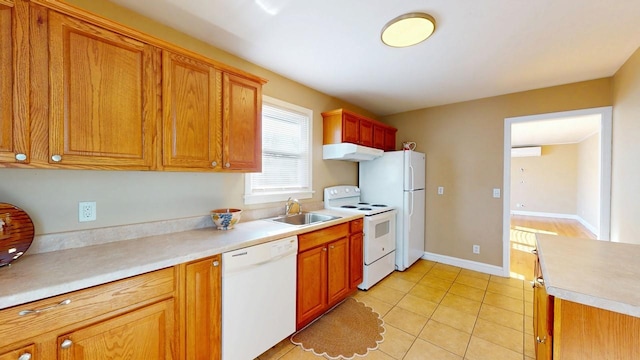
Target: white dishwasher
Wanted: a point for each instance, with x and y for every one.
(258, 298)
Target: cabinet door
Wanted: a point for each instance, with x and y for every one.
(192, 136)
(366, 133)
(103, 98)
(390, 139)
(24, 353)
(378, 137)
(350, 129)
(542, 321)
(356, 260)
(241, 124)
(311, 285)
(146, 333)
(338, 270)
(203, 309)
(14, 81)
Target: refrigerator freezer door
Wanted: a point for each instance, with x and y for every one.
(414, 170)
(411, 248)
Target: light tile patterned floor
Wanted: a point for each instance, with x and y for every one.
(440, 312)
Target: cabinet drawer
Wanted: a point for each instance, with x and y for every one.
(84, 304)
(323, 236)
(356, 226)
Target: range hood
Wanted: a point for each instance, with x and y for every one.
(349, 152)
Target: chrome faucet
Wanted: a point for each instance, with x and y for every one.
(289, 204)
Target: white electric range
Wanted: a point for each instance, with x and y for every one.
(379, 231)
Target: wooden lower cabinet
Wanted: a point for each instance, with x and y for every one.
(201, 309)
(565, 330)
(131, 318)
(325, 273)
(23, 353)
(356, 252)
(144, 334)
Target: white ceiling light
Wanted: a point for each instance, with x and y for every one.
(408, 29)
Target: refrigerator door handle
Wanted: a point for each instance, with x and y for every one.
(412, 178)
(411, 211)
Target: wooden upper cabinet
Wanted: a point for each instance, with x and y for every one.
(343, 126)
(350, 129)
(103, 96)
(241, 123)
(390, 139)
(192, 136)
(366, 132)
(379, 137)
(14, 82)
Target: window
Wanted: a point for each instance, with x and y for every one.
(286, 154)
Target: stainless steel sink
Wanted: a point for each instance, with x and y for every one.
(304, 218)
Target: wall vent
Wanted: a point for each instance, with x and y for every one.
(526, 151)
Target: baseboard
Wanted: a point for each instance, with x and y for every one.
(545, 214)
(579, 219)
(465, 264)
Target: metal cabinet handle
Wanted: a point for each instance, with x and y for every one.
(216, 263)
(539, 280)
(25, 356)
(214, 163)
(66, 344)
(37, 311)
(540, 341)
(227, 165)
(21, 157)
(534, 251)
(56, 158)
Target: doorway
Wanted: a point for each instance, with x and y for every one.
(547, 127)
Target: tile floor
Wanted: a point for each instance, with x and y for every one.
(440, 312)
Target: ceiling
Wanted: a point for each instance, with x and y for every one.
(566, 130)
(479, 49)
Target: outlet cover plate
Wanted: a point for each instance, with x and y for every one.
(86, 211)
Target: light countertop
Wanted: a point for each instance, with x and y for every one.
(596, 273)
(43, 275)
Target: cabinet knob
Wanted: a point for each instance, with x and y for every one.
(56, 158)
(25, 356)
(21, 157)
(216, 263)
(534, 251)
(540, 341)
(66, 344)
(331, 247)
(540, 281)
(214, 163)
(227, 165)
(324, 249)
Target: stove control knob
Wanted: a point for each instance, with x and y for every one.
(346, 190)
(357, 190)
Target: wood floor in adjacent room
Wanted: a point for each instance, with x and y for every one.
(523, 230)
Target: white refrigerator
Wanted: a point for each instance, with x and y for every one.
(398, 179)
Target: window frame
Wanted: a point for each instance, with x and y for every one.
(250, 197)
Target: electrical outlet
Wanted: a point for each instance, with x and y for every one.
(476, 249)
(496, 193)
(440, 190)
(86, 211)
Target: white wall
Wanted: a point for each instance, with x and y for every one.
(588, 184)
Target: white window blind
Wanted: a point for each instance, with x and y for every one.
(286, 154)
